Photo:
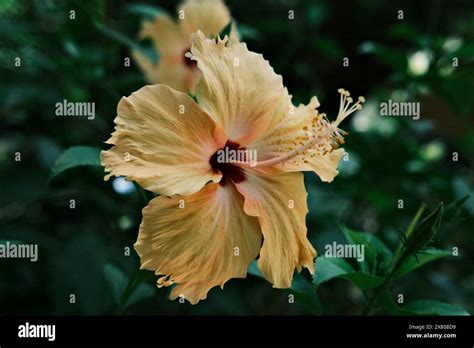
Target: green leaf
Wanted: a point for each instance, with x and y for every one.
(434, 307)
(299, 284)
(300, 287)
(454, 209)
(141, 292)
(374, 249)
(423, 233)
(146, 10)
(74, 157)
(117, 281)
(391, 307)
(330, 268)
(364, 280)
(421, 307)
(411, 263)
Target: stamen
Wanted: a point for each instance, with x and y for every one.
(324, 136)
(327, 133)
(345, 102)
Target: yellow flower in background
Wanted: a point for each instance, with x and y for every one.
(213, 216)
(171, 40)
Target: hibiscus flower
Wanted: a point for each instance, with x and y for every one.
(171, 40)
(213, 218)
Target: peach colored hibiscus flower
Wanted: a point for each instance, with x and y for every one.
(171, 40)
(213, 217)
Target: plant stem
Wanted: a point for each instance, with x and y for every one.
(132, 284)
(379, 290)
(397, 260)
(407, 234)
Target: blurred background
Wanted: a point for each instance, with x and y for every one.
(427, 56)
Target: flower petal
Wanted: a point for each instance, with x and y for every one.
(325, 166)
(292, 132)
(169, 71)
(234, 36)
(200, 245)
(163, 140)
(279, 202)
(239, 88)
(209, 16)
(165, 34)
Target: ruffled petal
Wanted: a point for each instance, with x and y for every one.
(146, 65)
(163, 140)
(279, 202)
(199, 241)
(171, 45)
(239, 88)
(165, 34)
(209, 16)
(169, 71)
(234, 36)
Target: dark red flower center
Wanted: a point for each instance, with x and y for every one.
(228, 170)
(190, 63)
